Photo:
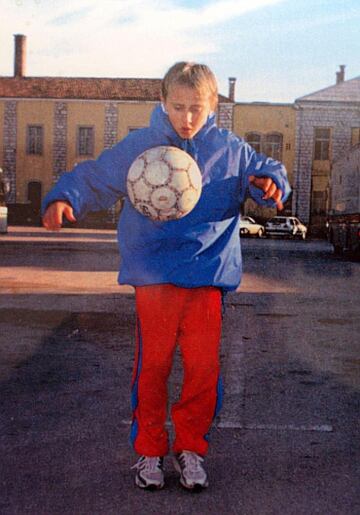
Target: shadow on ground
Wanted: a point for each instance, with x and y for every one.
(65, 407)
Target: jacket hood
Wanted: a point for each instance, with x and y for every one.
(161, 122)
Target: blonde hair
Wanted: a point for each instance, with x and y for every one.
(192, 75)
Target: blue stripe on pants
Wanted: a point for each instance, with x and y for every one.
(134, 389)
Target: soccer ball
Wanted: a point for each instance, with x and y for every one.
(164, 183)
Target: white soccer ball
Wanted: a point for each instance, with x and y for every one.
(164, 183)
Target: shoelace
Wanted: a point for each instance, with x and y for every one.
(191, 461)
(148, 464)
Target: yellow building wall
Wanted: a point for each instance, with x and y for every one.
(84, 113)
(320, 183)
(33, 167)
(79, 113)
(320, 176)
(320, 179)
(264, 119)
(321, 167)
(133, 116)
(2, 110)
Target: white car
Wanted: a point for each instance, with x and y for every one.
(248, 227)
(285, 226)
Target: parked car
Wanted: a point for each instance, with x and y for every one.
(285, 226)
(249, 227)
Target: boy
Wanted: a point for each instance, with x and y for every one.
(179, 269)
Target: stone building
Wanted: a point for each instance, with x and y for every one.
(345, 184)
(327, 127)
(48, 124)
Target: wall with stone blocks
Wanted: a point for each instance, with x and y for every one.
(340, 118)
(10, 137)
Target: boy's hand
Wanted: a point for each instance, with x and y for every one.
(268, 186)
(53, 216)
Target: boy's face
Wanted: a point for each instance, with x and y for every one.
(187, 109)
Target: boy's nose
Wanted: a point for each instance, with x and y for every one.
(187, 118)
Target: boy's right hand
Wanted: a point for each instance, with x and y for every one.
(53, 216)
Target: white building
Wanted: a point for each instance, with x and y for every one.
(327, 127)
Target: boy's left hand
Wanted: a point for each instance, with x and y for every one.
(268, 186)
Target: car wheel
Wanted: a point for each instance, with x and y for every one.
(303, 235)
(244, 231)
(260, 233)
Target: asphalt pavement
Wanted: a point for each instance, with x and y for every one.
(287, 439)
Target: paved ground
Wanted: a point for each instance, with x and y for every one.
(287, 441)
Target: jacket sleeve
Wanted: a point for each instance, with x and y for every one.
(94, 185)
(259, 165)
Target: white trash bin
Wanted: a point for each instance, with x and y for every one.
(3, 219)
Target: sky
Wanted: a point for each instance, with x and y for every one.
(278, 50)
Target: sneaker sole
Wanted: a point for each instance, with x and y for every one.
(150, 486)
(196, 489)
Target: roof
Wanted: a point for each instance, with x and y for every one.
(84, 88)
(265, 104)
(347, 91)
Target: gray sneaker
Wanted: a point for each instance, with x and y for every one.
(192, 474)
(149, 472)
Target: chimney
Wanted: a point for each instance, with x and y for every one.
(20, 57)
(232, 81)
(340, 75)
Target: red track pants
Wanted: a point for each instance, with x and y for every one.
(191, 317)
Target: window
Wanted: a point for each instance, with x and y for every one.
(273, 146)
(355, 136)
(34, 140)
(254, 139)
(269, 144)
(322, 144)
(85, 141)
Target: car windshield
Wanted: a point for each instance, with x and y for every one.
(278, 220)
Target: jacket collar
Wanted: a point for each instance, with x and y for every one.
(160, 122)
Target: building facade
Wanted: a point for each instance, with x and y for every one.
(345, 184)
(269, 129)
(48, 124)
(327, 128)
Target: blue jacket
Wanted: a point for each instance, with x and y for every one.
(200, 249)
